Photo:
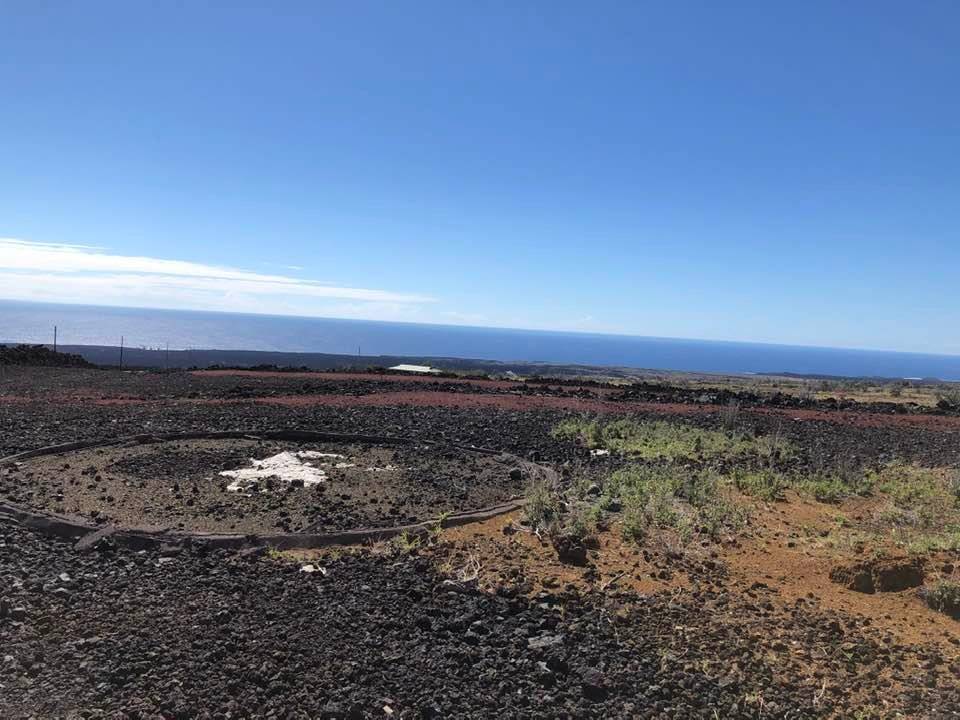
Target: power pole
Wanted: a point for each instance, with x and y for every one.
(166, 359)
(121, 352)
(54, 338)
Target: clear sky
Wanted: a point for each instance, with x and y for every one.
(784, 172)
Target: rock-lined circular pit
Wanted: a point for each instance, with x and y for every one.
(273, 483)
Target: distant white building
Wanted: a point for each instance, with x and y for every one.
(423, 369)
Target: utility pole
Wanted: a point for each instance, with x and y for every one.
(121, 352)
(166, 358)
(54, 338)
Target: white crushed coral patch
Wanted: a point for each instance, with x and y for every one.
(286, 466)
(290, 467)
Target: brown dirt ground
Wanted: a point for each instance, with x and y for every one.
(784, 555)
(790, 553)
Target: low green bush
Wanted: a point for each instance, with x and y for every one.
(765, 484)
(943, 596)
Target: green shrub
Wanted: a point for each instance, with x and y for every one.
(943, 596)
(580, 522)
(720, 516)
(634, 522)
(666, 497)
(953, 486)
(764, 484)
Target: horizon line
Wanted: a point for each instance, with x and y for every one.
(489, 327)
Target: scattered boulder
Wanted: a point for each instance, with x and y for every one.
(884, 575)
(569, 549)
(542, 642)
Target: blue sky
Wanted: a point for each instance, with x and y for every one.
(780, 172)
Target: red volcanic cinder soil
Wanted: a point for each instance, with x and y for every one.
(813, 583)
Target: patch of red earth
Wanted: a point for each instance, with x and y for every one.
(946, 423)
(73, 399)
(423, 379)
(449, 399)
(517, 401)
(337, 377)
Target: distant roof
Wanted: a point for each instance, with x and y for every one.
(414, 368)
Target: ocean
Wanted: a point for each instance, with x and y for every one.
(182, 330)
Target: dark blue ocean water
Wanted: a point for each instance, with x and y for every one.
(87, 325)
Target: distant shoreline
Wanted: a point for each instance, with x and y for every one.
(153, 359)
(232, 339)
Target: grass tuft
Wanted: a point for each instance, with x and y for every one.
(543, 504)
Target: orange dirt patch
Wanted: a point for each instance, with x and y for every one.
(511, 555)
(790, 553)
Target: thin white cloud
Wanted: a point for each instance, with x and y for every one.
(80, 274)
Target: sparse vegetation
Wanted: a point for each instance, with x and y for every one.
(729, 415)
(836, 481)
(945, 540)
(661, 440)
(828, 487)
(435, 532)
(666, 497)
(922, 496)
(558, 515)
(580, 522)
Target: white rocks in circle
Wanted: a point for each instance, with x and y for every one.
(316, 455)
(313, 568)
(286, 466)
(291, 467)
